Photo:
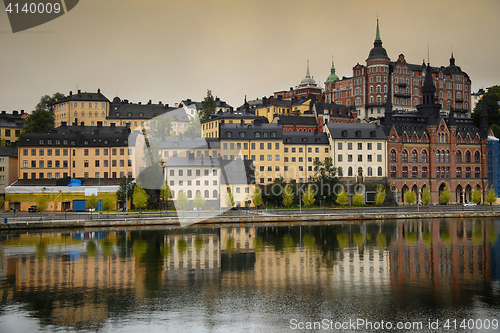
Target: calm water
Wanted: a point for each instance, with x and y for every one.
(255, 279)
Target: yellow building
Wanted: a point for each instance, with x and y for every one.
(274, 153)
(11, 125)
(86, 107)
(9, 170)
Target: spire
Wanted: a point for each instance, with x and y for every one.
(484, 128)
(333, 77)
(428, 89)
(377, 36)
(307, 73)
(451, 118)
(452, 59)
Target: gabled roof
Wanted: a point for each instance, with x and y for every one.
(84, 96)
(365, 131)
(124, 110)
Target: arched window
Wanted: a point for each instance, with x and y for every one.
(173, 194)
(447, 160)
(379, 171)
(477, 172)
(424, 155)
(370, 171)
(393, 172)
(467, 156)
(437, 156)
(424, 138)
(477, 158)
(405, 172)
(414, 172)
(414, 156)
(349, 172)
(458, 140)
(206, 194)
(459, 156)
(340, 171)
(405, 156)
(190, 194)
(442, 156)
(459, 172)
(393, 156)
(214, 194)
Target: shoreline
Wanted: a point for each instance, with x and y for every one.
(248, 219)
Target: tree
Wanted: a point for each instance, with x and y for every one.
(342, 198)
(92, 203)
(42, 202)
(165, 194)
(42, 118)
(108, 201)
(325, 178)
(229, 198)
(160, 127)
(199, 201)
(182, 200)
(125, 190)
(426, 196)
(288, 196)
(476, 196)
(358, 199)
(140, 198)
(410, 197)
(445, 196)
(208, 107)
(380, 195)
(257, 196)
(491, 197)
(491, 98)
(308, 197)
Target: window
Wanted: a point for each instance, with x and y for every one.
(379, 158)
(467, 172)
(113, 163)
(86, 163)
(349, 171)
(467, 156)
(41, 152)
(369, 158)
(459, 156)
(33, 164)
(424, 156)
(414, 156)
(379, 171)
(405, 156)
(86, 152)
(414, 172)
(424, 172)
(393, 156)
(349, 145)
(405, 172)
(339, 158)
(369, 171)
(339, 146)
(349, 158)
(477, 172)
(477, 158)
(459, 172)
(369, 146)
(360, 146)
(360, 158)
(438, 172)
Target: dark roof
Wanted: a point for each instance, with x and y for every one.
(333, 109)
(189, 143)
(238, 114)
(8, 151)
(305, 138)
(364, 131)
(78, 136)
(256, 131)
(297, 120)
(124, 110)
(14, 119)
(84, 96)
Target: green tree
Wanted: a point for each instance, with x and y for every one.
(229, 198)
(140, 198)
(445, 196)
(92, 203)
(208, 107)
(193, 130)
(325, 178)
(358, 199)
(182, 200)
(308, 197)
(199, 201)
(380, 195)
(288, 196)
(165, 194)
(476, 196)
(342, 198)
(426, 196)
(160, 127)
(491, 197)
(491, 98)
(257, 196)
(125, 190)
(410, 197)
(42, 202)
(2, 203)
(108, 201)
(42, 118)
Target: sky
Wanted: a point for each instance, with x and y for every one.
(174, 50)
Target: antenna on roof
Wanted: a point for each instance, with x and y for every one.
(428, 61)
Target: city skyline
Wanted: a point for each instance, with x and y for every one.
(173, 51)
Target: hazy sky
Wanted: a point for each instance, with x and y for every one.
(173, 50)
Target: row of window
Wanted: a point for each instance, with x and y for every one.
(441, 156)
(441, 172)
(8, 132)
(57, 152)
(369, 146)
(190, 182)
(369, 171)
(189, 173)
(57, 164)
(82, 105)
(57, 175)
(369, 158)
(206, 193)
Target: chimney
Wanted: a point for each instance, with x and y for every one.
(271, 100)
(76, 122)
(99, 91)
(13, 144)
(79, 91)
(22, 111)
(4, 112)
(14, 113)
(242, 121)
(149, 102)
(139, 103)
(71, 93)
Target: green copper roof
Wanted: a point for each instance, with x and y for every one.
(333, 77)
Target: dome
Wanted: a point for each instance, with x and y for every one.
(308, 81)
(378, 52)
(116, 100)
(332, 77)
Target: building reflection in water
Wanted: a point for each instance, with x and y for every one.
(85, 280)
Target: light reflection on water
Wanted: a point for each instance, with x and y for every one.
(250, 279)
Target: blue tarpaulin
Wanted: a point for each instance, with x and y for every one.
(75, 182)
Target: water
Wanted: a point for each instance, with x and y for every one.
(424, 275)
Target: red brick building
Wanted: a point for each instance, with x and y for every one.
(368, 88)
(426, 148)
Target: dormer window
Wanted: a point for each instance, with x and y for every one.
(273, 134)
(344, 134)
(141, 115)
(358, 134)
(129, 114)
(242, 134)
(257, 134)
(228, 134)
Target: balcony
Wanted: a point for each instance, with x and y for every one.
(402, 95)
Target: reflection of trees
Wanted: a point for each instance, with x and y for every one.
(165, 251)
(257, 244)
(343, 240)
(107, 247)
(381, 241)
(477, 233)
(41, 249)
(288, 244)
(139, 249)
(198, 243)
(411, 238)
(309, 242)
(91, 248)
(230, 246)
(427, 237)
(182, 246)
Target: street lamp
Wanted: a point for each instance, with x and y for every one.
(324, 204)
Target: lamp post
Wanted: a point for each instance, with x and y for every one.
(324, 204)
(126, 193)
(99, 196)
